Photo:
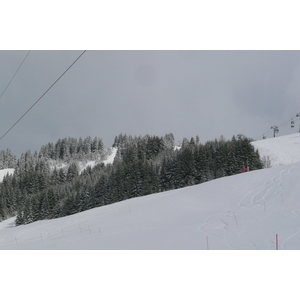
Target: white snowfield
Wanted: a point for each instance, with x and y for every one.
(4, 172)
(111, 153)
(243, 211)
(281, 150)
(109, 157)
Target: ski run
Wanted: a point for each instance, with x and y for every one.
(242, 212)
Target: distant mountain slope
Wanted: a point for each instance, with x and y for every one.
(281, 150)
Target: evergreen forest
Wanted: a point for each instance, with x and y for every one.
(51, 183)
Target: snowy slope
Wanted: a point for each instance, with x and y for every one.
(112, 154)
(244, 211)
(280, 150)
(5, 172)
(107, 158)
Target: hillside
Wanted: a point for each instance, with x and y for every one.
(243, 211)
(74, 175)
(82, 165)
(281, 150)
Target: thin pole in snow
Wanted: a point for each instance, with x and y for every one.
(207, 243)
(276, 241)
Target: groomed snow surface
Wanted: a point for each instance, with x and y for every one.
(280, 150)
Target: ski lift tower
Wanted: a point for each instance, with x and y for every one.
(275, 128)
(298, 115)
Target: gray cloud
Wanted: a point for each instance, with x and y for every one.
(208, 93)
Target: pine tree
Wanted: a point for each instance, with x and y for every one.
(72, 172)
(169, 141)
(54, 178)
(19, 218)
(62, 177)
(27, 212)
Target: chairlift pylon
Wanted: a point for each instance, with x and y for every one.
(276, 129)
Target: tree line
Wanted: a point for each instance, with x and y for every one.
(143, 165)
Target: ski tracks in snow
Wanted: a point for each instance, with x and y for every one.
(231, 227)
(265, 193)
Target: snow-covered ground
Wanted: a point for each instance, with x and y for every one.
(244, 211)
(112, 154)
(107, 158)
(4, 172)
(280, 150)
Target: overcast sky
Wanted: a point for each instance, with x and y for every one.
(188, 93)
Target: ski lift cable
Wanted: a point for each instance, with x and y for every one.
(262, 135)
(290, 120)
(283, 124)
(280, 125)
(42, 96)
(14, 74)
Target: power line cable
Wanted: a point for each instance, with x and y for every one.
(41, 96)
(14, 74)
